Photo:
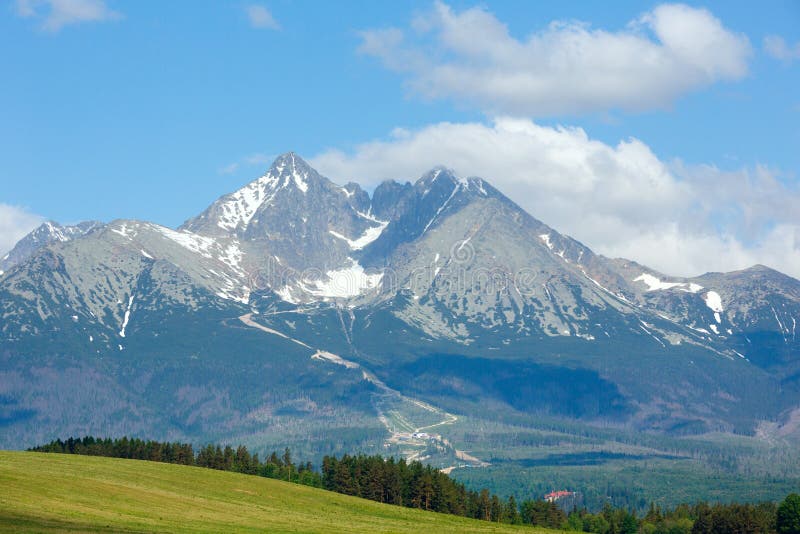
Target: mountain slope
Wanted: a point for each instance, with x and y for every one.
(296, 304)
(53, 492)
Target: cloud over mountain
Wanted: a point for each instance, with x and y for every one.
(15, 222)
(621, 200)
(568, 67)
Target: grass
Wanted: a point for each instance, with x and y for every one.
(54, 492)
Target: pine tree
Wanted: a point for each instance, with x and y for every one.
(242, 460)
(497, 509)
(343, 482)
(485, 505)
(287, 461)
(653, 514)
(702, 523)
(628, 525)
(788, 515)
(512, 512)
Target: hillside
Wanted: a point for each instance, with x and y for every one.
(54, 492)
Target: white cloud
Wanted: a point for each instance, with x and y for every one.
(260, 17)
(776, 47)
(567, 67)
(229, 169)
(676, 252)
(257, 159)
(55, 14)
(15, 223)
(619, 200)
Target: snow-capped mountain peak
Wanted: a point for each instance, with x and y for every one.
(292, 169)
(235, 211)
(444, 174)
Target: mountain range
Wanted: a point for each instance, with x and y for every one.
(298, 311)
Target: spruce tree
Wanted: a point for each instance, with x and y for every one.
(788, 515)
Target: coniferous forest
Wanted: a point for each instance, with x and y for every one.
(415, 485)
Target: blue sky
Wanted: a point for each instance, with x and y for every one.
(151, 110)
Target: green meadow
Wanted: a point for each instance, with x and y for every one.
(57, 492)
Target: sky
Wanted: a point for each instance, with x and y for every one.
(666, 133)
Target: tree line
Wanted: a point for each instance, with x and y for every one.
(415, 485)
(701, 518)
(239, 460)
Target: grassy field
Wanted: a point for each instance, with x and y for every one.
(55, 492)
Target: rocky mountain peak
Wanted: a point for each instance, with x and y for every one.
(45, 234)
(290, 170)
(288, 179)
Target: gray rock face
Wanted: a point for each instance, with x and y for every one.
(390, 199)
(446, 265)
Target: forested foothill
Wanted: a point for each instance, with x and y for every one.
(415, 485)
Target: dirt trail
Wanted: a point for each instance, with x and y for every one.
(461, 455)
(248, 320)
(318, 354)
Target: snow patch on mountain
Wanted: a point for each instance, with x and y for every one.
(713, 301)
(285, 294)
(780, 324)
(125, 230)
(239, 208)
(56, 232)
(479, 183)
(230, 254)
(370, 235)
(433, 178)
(645, 326)
(441, 208)
(619, 296)
(654, 284)
(195, 243)
(333, 358)
(300, 177)
(347, 282)
(127, 317)
(231, 284)
(368, 216)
